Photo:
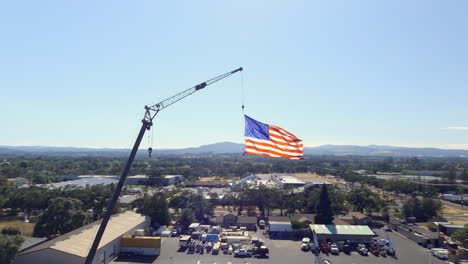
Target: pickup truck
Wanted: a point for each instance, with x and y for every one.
(262, 224)
(440, 253)
(334, 249)
(305, 244)
(184, 241)
(325, 248)
(347, 249)
(362, 249)
(261, 252)
(215, 249)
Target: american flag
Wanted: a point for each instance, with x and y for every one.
(271, 141)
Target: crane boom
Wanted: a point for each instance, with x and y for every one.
(147, 122)
(152, 110)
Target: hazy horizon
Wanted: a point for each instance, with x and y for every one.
(196, 146)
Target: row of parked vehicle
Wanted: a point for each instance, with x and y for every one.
(255, 247)
(378, 247)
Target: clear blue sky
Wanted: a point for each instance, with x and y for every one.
(78, 73)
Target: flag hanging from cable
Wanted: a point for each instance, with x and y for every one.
(271, 141)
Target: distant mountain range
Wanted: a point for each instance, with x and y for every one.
(229, 147)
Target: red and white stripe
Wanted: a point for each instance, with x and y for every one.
(281, 144)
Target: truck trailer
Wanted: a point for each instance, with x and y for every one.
(184, 241)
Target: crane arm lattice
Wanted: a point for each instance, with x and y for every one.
(152, 110)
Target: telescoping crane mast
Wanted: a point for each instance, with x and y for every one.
(147, 122)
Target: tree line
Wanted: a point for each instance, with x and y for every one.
(44, 169)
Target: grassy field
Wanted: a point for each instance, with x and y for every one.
(450, 210)
(25, 228)
(314, 177)
(460, 222)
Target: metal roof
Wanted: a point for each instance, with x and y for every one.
(78, 241)
(83, 182)
(118, 225)
(280, 227)
(360, 230)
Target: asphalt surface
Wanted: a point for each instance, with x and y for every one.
(288, 252)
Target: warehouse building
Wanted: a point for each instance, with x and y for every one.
(249, 222)
(172, 179)
(448, 228)
(280, 229)
(336, 233)
(287, 181)
(137, 180)
(73, 247)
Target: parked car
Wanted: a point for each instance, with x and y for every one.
(174, 232)
(440, 253)
(381, 242)
(325, 248)
(230, 250)
(362, 249)
(390, 251)
(383, 252)
(334, 249)
(261, 251)
(305, 244)
(242, 253)
(262, 224)
(346, 248)
(387, 228)
(314, 248)
(215, 249)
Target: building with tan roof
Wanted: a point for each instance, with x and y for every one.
(73, 247)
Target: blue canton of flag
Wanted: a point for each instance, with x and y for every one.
(271, 141)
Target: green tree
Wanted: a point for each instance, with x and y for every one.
(430, 207)
(421, 209)
(200, 207)
(9, 246)
(461, 236)
(11, 231)
(464, 175)
(324, 214)
(156, 207)
(156, 177)
(186, 217)
(452, 175)
(362, 198)
(61, 216)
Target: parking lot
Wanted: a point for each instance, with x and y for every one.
(288, 251)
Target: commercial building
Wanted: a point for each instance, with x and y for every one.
(226, 220)
(141, 245)
(83, 181)
(209, 183)
(336, 233)
(18, 181)
(172, 179)
(303, 219)
(287, 181)
(356, 218)
(249, 222)
(280, 229)
(137, 180)
(73, 247)
(448, 228)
